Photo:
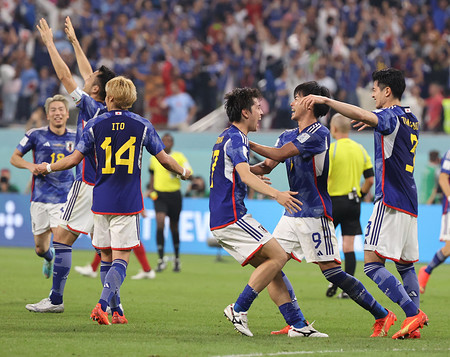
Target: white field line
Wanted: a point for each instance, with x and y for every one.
(292, 353)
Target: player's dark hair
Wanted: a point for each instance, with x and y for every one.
(104, 75)
(392, 78)
(313, 87)
(239, 99)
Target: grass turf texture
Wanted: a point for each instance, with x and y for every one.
(181, 314)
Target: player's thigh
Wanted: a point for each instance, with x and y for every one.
(54, 212)
(42, 241)
(77, 215)
(40, 218)
(124, 232)
(102, 235)
(287, 236)
(242, 239)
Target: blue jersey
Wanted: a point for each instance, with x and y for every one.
(227, 191)
(117, 139)
(89, 108)
(308, 171)
(49, 147)
(396, 139)
(445, 168)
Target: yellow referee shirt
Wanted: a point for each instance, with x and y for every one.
(163, 179)
(348, 161)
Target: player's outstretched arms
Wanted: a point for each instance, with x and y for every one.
(61, 69)
(277, 154)
(64, 164)
(83, 63)
(169, 163)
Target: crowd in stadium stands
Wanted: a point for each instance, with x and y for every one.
(208, 47)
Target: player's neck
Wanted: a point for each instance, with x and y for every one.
(391, 103)
(58, 131)
(242, 126)
(305, 122)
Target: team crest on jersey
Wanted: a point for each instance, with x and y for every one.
(70, 145)
(302, 138)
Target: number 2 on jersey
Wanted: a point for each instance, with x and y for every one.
(414, 142)
(128, 146)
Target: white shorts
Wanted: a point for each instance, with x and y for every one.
(44, 216)
(116, 232)
(392, 234)
(445, 227)
(243, 238)
(77, 215)
(309, 238)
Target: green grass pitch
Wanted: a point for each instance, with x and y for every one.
(181, 314)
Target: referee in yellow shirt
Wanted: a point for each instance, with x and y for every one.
(348, 162)
(164, 189)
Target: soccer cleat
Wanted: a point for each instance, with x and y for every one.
(108, 309)
(144, 275)
(117, 319)
(47, 268)
(283, 331)
(423, 279)
(161, 265)
(99, 315)
(413, 335)
(45, 305)
(411, 324)
(86, 271)
(176, 265)
(238, 319)
(343, 295)
(306, 331)
(382, 326)
(331, 291)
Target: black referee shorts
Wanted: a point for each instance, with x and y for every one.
(346, 213)
(169, 203)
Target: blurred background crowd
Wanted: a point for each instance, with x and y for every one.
(203, 48)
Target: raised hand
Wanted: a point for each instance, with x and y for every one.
(45, 31)
(70, 32)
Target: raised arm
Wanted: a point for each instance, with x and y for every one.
(170, 164)
(348, 110)
(264, 167)
(83, 63)
(278, 154)
(286, 199)
(61, 69)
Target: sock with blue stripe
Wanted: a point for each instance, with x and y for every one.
(291, 315)
(410, 282)
(48, 255)
(392, 288)
(291, 292)
(113, 280)
(115, 300)
(245, 300)
(61, 269)
(438, 259)
(356, 290)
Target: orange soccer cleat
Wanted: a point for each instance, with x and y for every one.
(118, 319)
(283, 331)
(411, 324)
(423, 279)
(382, 326)
(99, 315)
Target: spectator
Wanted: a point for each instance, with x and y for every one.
(433, 118)
(429, 184)
(181, 108)
(197, 188)
(5, 184)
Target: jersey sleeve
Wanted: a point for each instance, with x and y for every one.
(27, 143)
(152, 141)
(236, 150)
(387, 121)
(310, 144)
(86, 143)
(445, 163)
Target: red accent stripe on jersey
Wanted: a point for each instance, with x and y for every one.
(399, 209)
(116, 213)
(32, 176)
(223, 225)
(251, 255)
(74, 230)
(318, 192)
(232, 195)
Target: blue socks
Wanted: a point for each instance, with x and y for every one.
(356, 290)
(392, 288)
(113, 280)
(291, 315)
(438, 259)
(410, 282)
(291, 292)
(48, 255)
(245, 300)
(61, 269)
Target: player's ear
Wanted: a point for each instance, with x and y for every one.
(244, 113)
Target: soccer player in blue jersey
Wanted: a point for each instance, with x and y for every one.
(235, 229)
(117, 139)
(76, 217)
(391, 232)
(309, 234)
(442, 254)
(48, 194)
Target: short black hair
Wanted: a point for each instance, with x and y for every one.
(104, 75)
(239, 99)
(392, 78)
(313, 87)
